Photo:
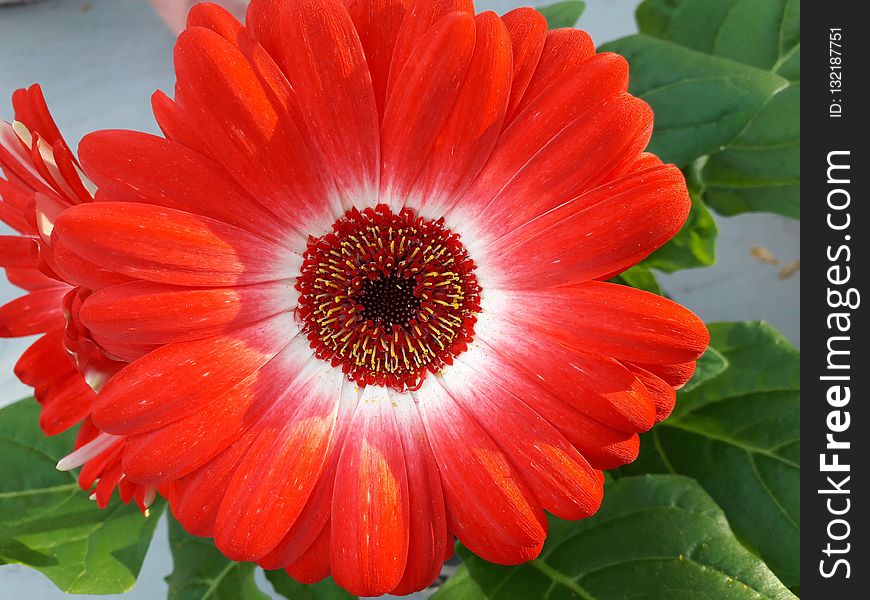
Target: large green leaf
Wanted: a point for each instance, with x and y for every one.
(563, 14)
(738, 435)
(761, 33)
(655, 537)
(701, 102)
(201, 572)
(760, 169)
(292, 589)
(47, 521)
(723, 77)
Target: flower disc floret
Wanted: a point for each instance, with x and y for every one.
(388, 297)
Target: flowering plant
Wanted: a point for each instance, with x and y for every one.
(385, 283)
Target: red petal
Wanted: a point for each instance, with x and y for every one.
(425, 91)
(579, 91)
(195, 498)
(604, 447)
(370, 519)
(108, 480)
(31, 109)
(662, 394)
(676, 375)
(78, 271)
(420, 16)
(93, 468)
(263, 20)
(43, 161)
(324, 60)
(37, 312)
(598, 386)
(178, 379)
(169, 246)
(184, 445)
(276, 477)
(216, 18)
(428, 540)
(249, 127)
(313, 565)
(65, 397)
(545, 170)
(560, 477)
(16, 207)
(154, 313)
(16, 251)
(65, 403)
(122, 350)
(161, 172)
(492, 509)
(612, 320)
(474, 125)
(606, 230)
(377, 23)
(643, 162)
(305, 531)
(564, 50)
(528, 31)
(176, 124)
(310, 524)
(78, 186)
(30, 279)
(264, 64)
(45, 361)
(17, 162)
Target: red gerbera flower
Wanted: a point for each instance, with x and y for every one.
(42, 180)
(366, 307)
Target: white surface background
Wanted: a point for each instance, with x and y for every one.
(99, 61)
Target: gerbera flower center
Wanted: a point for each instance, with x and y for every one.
(388, 297)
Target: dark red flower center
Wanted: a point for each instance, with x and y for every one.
(388, 297)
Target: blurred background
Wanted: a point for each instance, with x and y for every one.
(98, 62)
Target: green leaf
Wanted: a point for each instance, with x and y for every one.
(639, 277)
(760, 169)
(738, 435)
(201, 572)
(460, 586)
(711, 364)
(563, 14)
(292, 589)
(764, 35)
(47, 521)
(655, 537)
(701, 102)
(686, 67)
